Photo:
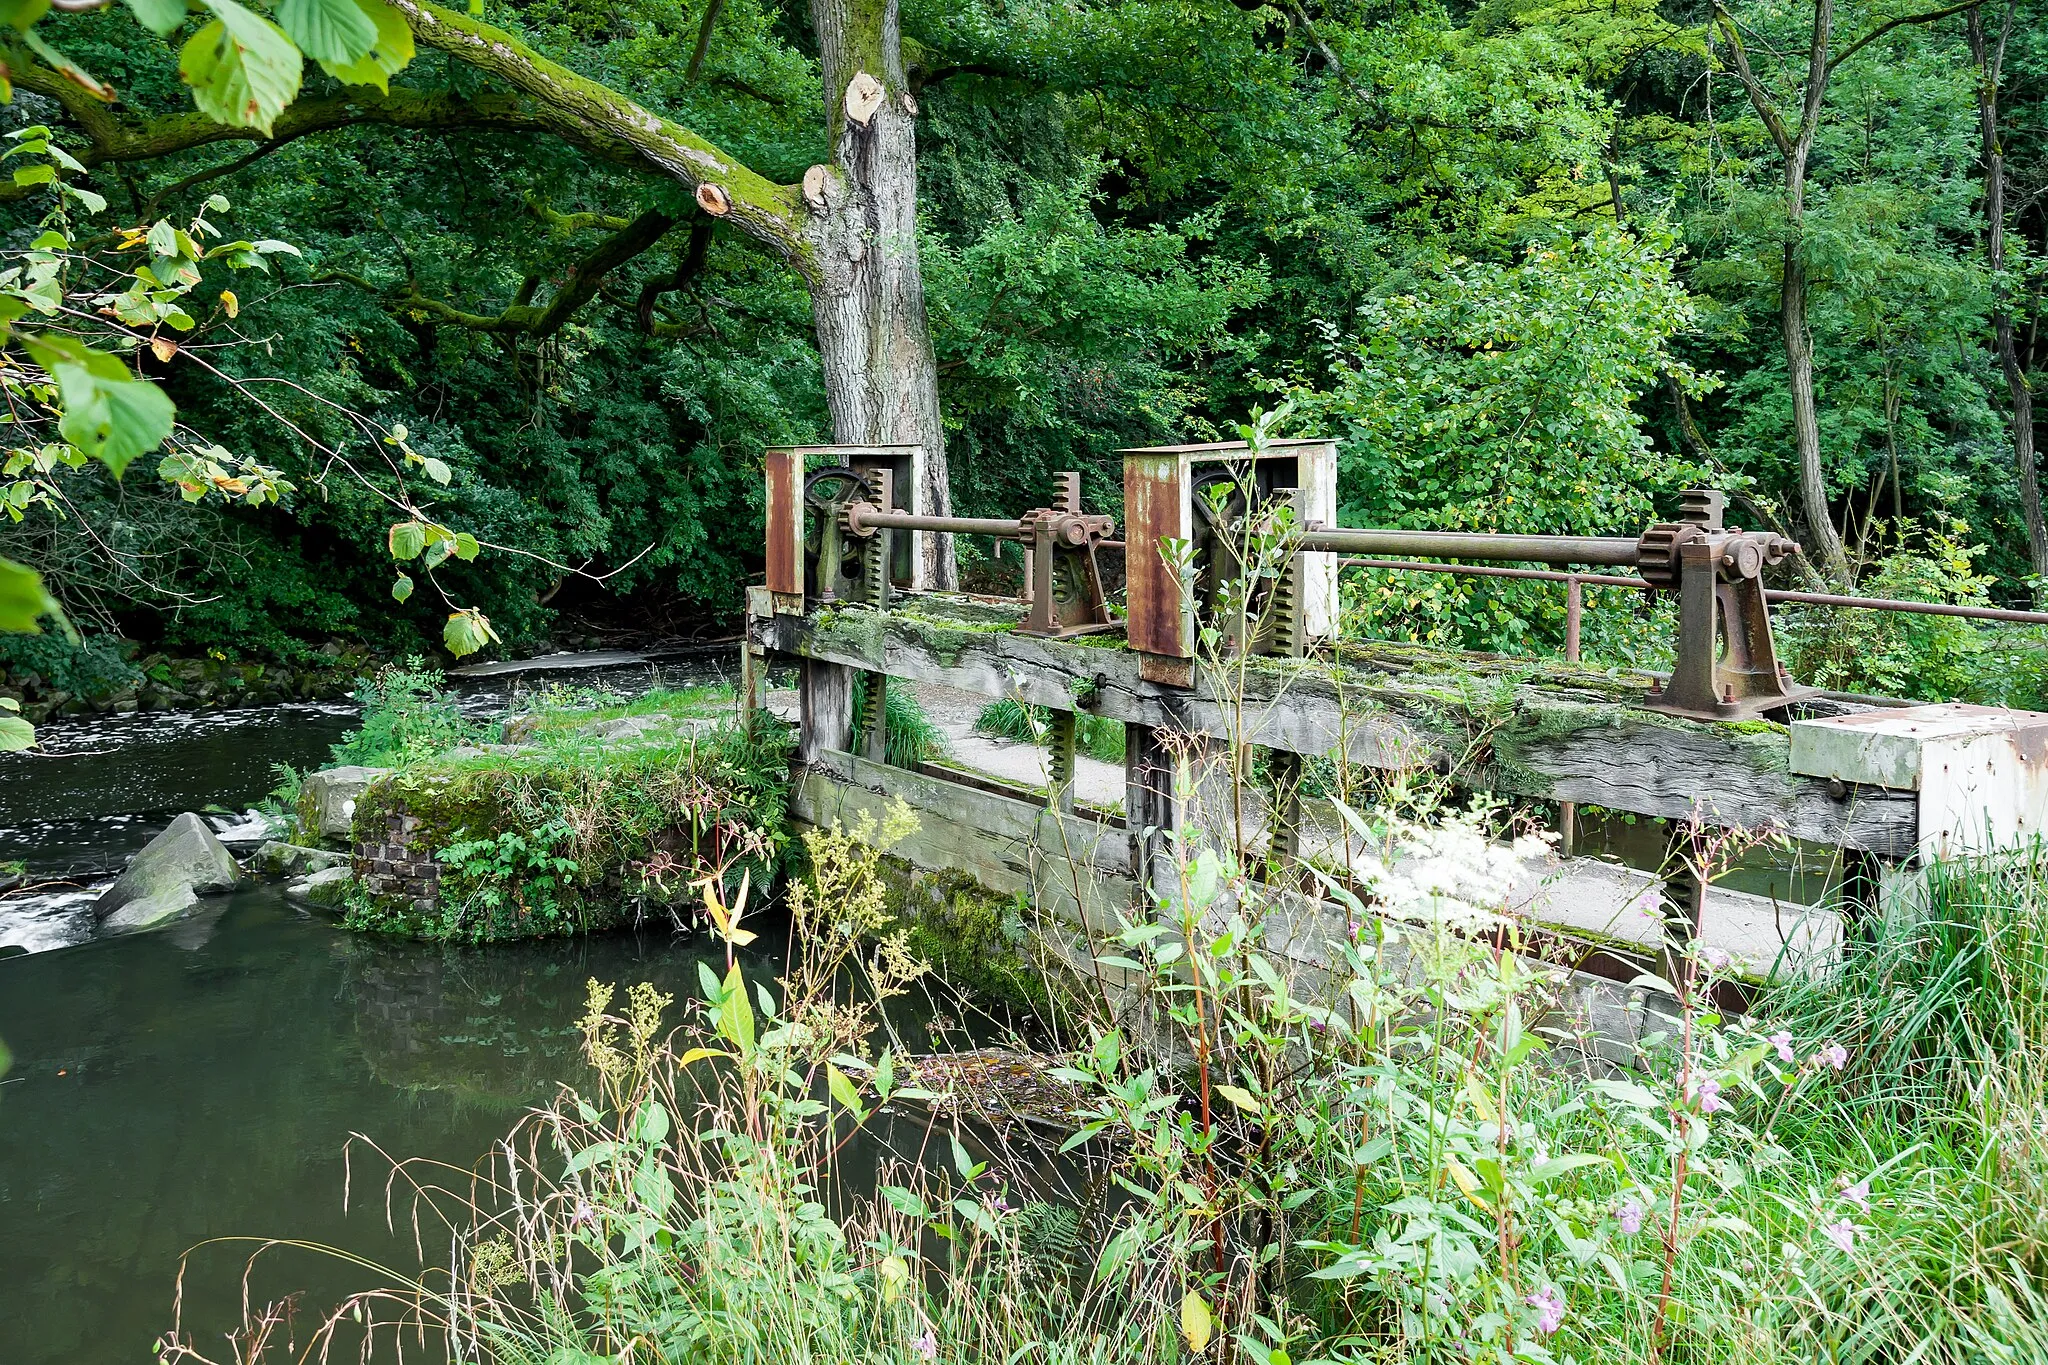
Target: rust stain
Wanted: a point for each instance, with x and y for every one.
(1155, 498)
(785, 471)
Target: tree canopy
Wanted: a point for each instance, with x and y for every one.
(1537, 265)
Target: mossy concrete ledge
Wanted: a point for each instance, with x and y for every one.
(1524, 728)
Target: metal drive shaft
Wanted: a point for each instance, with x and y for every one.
(1614, 550)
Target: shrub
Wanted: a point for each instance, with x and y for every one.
(408, 716)
(1093, 735)
(93, 665)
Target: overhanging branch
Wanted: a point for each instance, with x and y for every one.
(522, 317)
(575, 105)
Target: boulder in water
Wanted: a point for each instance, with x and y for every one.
(327, 799)
(295, 860)
(183, 862)
(323, 890)
(146, 912)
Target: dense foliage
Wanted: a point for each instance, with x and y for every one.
(1528, 261)
(1422, 1152)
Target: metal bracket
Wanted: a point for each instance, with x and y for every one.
(1727, 666)
(1066, 596)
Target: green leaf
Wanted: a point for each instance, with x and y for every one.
(735, 1015)
(242, 68)
(159, 16)
(108, 413)
(34, 175)
(904, 1201)
(77, 74)
(407, 539)
(402, 589)
(388, 57)
(23, 600)
(16, 734)
(436, 470)
(22, 14)
(465, 546)
(843, 1091)
(1240, 1097)
(466, 633)
(328, 30)
(651, 1124)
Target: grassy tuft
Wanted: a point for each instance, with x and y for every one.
(1011, 719)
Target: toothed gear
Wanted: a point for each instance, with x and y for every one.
(1658, 551)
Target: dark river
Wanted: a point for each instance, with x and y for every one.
(201, 1082)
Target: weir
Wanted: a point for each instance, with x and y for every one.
(1226, 662)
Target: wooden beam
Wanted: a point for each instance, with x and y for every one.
(1525, 728)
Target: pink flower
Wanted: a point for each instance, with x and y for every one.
(927, 1346)
(1716, 959)
(1834, 1055)
(1630, 1216)
(1549, 1306)
(1707, 1091)
(1782, 1041)
(1859, 1195)
(1842, 1234)
(584, 1215)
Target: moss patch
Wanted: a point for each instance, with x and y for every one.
(574, 833)
(980, 942)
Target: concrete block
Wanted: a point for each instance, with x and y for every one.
(1981, 771)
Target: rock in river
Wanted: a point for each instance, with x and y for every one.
(167, 877)
(327, 799)
(323, 890)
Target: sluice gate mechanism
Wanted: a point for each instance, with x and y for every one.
(1231, 554)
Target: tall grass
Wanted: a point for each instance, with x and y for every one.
(911, 736)
(1096, 736)
(1414, 1155)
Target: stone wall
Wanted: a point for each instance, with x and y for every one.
(395, 868)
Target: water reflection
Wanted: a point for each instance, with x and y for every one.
(162, 1097)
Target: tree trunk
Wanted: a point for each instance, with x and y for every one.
(867, 287)
(1813, 483)
(1990, 59)
(850, 228)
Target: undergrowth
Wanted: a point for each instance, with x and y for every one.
(1418, 1152)
(1094, 735)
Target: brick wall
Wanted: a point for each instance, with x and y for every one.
(394, 868)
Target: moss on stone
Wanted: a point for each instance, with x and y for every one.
(615, 810)
(980, 942)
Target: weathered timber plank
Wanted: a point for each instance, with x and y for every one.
(1557, 732)
(1073, 869)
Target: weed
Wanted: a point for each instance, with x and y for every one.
(1011, 719)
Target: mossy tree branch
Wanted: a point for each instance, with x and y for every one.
(763, 210)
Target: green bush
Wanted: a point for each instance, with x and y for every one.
(408, 716)
(1927, 658)
(1094, 735)
(91, 666)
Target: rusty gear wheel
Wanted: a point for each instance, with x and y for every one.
(1658, 551)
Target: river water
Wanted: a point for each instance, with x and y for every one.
(202, 1082)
